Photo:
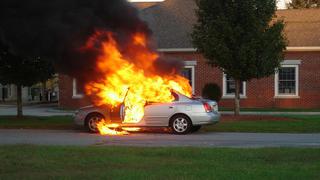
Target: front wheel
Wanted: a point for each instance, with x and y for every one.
(180, 124)
(92, 120)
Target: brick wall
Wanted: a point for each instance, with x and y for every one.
(260, 93)
(65, 94)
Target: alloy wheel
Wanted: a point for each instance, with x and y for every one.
(180, 125)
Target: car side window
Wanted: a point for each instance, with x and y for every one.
(175, 95)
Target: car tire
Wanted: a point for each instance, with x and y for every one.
(195, 128)
(91, 121)
(180, 124)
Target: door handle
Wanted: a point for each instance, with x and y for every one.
(171, 107)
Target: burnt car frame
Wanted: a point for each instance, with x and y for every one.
(183, 115)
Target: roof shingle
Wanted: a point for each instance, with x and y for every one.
(302, 26)
(172, 21)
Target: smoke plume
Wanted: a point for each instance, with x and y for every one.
(58, 29)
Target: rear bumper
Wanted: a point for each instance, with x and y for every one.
(206, 118)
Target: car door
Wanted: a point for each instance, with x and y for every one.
(158, 114)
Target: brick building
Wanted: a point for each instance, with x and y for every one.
(295, 85)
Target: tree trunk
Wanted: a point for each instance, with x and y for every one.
(237, 98)
(43, 92)
(19, 101)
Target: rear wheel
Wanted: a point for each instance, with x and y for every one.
(180, 124)
(195, 128)
(92, 120)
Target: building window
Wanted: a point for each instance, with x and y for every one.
(5, 93)
(188, 72)
(229, 87)
(77, 89)
(287, 81)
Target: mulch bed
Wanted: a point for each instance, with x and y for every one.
(254, 118)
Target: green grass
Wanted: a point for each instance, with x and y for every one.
(271, 109)
(29, 122)
(298, 124)
(53, 162)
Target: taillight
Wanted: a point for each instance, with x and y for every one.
(207, 107)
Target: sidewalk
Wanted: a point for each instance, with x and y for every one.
(34, 110)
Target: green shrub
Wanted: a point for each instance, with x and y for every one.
(212, 91)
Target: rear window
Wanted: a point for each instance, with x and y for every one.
(175, 95)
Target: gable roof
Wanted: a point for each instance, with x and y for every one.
(302, 26)
(172, 22)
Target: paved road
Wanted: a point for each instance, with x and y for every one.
(60, 137)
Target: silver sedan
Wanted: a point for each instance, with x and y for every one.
(183, 115)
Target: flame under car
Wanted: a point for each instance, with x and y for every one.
(183, 115)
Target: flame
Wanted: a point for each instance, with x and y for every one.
(131, 129)
(109, 129)
(131, 79)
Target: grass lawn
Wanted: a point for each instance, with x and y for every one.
(28, 122)
(53, 162)
(271, 109)
(298, 124)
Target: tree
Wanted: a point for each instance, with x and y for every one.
(22, 71)
(46, 71)
(242, 38)
(297, 4)
(212, 91)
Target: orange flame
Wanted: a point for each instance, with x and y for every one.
(132, 80)
(109, 129)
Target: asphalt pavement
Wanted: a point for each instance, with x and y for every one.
(201, 139)
(73, 137)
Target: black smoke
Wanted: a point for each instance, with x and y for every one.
(57, 29)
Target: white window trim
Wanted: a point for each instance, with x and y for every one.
(276, 83)
(231, 96)
(291, 62)
(190, 63)
(75, 94)
(192, 77)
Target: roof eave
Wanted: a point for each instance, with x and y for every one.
(177, 50)
(288, 49)
(303, 48)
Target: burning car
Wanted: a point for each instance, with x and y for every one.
(134, 86)
(183, 115)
